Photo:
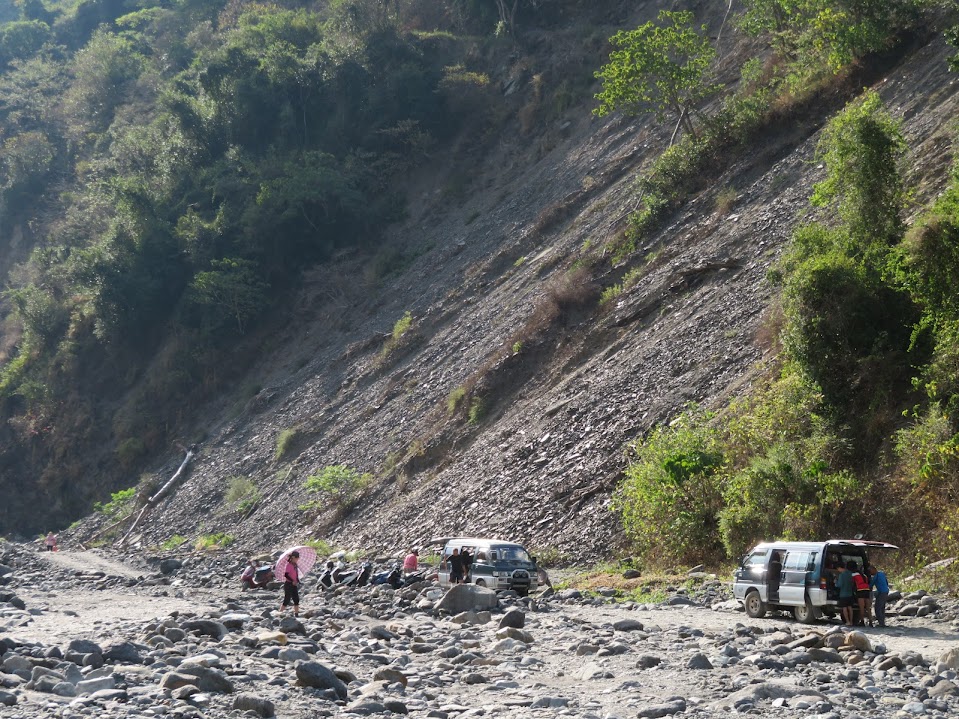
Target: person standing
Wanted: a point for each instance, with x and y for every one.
(411, 562)
(291, 584)
(847, 591)
(456, 567)
(51, 542)
(863, 596)
(880, 583)
(467, 560)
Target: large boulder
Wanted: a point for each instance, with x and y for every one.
(948, 660)
(208, 679)
(168, 566)
(252, 703)
(206, 627)
(464, 597)
(320, 676)
(124, 652)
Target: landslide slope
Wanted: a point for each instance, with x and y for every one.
(503, 322)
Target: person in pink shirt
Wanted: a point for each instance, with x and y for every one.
(411, 562)
(291, 584)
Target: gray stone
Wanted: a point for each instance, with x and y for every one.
(699, 661)
(168, 566)
(392, 676)
(16, 664)
(365, 707)
(475, 678)
(291, 625)
(628, 625)
(320, 676)
(64, 689)
(252, 703)
(654, 711)
(84, 646)
(515, 618)
(396, 706)
(292, 654)
(89, 686)
(943, 687)
(463, 597)
(678, 600)
(208, 679)
(175, 680)
(124, 652)
(819, 654)
(513, 633)
(768, 690)
(8, 698)
(648, 661)
(549, 703)
(206, 627)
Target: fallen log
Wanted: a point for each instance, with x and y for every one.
(160, 494)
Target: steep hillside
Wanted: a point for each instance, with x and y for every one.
(561, 397)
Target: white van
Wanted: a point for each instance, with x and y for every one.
(496, 564)
(797, 576)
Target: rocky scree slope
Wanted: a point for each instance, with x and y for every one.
(540, 463)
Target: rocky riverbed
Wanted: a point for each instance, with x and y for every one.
(88, 635)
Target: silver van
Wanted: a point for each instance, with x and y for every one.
(797, 576)
(496, 564)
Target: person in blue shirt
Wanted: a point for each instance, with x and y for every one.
(879, 583)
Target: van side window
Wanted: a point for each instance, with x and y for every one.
(492, 556)
(756, 561)
(481, 557)
(796, 561)
(812, 562)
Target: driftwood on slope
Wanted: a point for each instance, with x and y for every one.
(160, 494)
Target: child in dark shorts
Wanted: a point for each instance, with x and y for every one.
(291, 584)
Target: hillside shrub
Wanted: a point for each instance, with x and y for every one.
(174, 542)
(119, 502)
(338, 486)
(670, 497)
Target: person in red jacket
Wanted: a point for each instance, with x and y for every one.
(863, 595)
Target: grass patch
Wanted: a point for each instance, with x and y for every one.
(217, 540)
(242, 493)
(174, 542)
(454, 399)
(285, 441)
(322, 547)
(400, 330)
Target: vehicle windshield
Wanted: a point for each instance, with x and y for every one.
(512, 554)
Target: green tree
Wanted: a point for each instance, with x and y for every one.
(231, 292)
(659, 68)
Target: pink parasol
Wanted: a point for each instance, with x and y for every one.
(305, 563)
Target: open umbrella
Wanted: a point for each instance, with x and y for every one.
(306, 562)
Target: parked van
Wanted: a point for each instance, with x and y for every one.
(496, 564)
(798, 576)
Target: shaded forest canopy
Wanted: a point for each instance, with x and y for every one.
(168, 168)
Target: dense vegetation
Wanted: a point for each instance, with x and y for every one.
(168, 167)
(854, 428)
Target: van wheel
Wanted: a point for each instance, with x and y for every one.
(807, 613)
(480, 583)
(754, 606)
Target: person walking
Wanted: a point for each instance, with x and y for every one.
(847, 591)
(291, 584)
(880, 583)
(51, 542)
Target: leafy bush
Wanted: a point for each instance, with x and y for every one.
(400, 328)
(119, 502)
(670, 498)
(454, 399)
(338, 485)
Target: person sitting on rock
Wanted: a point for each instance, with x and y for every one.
(411, 562)
(246, 579)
